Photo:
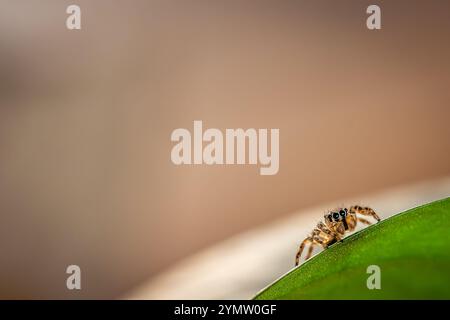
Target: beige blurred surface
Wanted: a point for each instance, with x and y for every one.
(86, 118)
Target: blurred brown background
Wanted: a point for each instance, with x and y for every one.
(86, 118)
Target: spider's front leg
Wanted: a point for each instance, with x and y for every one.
(313, 240)
(365, 211)
(310, 250)
(323, 228)
(362, 220)
(301, 248)
(329, 235)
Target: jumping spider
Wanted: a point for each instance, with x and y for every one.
(337, 223)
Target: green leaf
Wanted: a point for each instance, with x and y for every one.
(412, 250)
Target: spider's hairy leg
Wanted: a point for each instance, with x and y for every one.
(301, 248)
(362, 220)
(310, 250)
(351, 221)
(337, 238)
(330, 235)
(322, 227)
(365, 211)
(317, 239)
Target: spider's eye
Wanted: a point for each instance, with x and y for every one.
(329, 218)
(343, 213)
(336, 216)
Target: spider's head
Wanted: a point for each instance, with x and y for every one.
(336, 215)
